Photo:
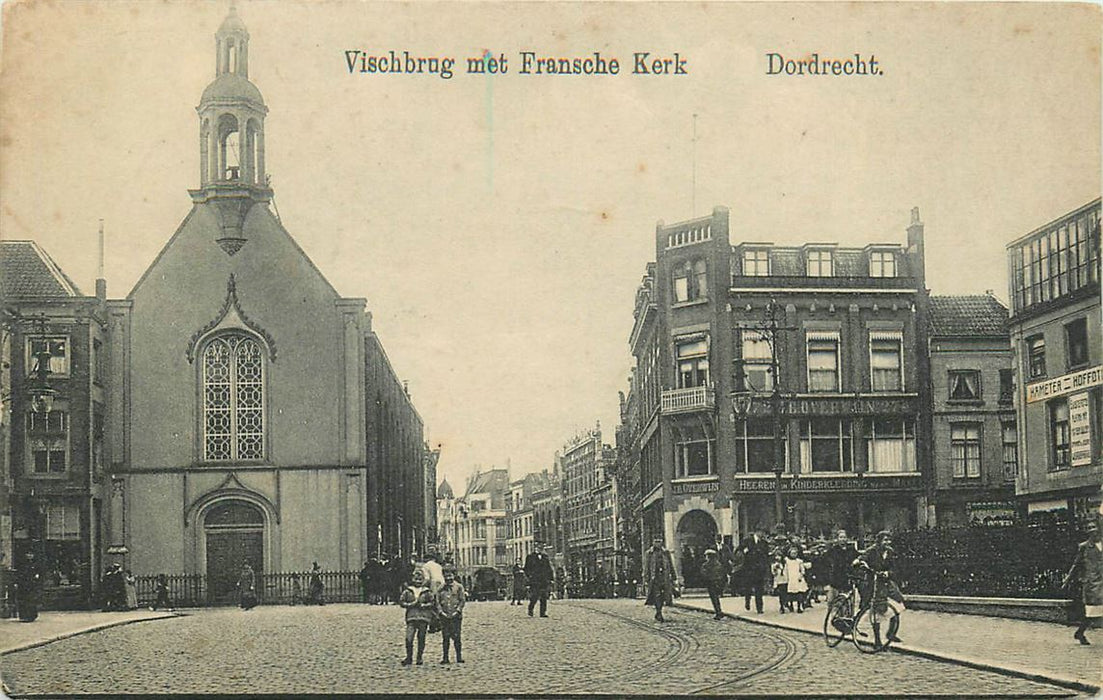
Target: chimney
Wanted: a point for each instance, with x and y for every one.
(101, 282)
(915, 248)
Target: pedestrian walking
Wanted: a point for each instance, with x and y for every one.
(296, 590)
(756, 568)
(418, 601)
(658, 572)
(161, 589)
(539, 575)
(114, 588)
(781, 582)
(131, 584)
(715, 576)
(517, 596)
(27, 581)
(1087, 569)
(365, 583)
(247, 587)
(450, 601)
(316, 591)
(797, 588)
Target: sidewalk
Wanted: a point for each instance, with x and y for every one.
(52, 625)
(1036, 650)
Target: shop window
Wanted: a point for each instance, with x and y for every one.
(693, 458)
(823, 361)
(890, 445)
(756, 263)
(48, 442)
(1076, 342)
(1010, 451)
(885, 361)
(826, 446)
(758, 359)
(754, 446)
(1059, 434)
(693, 362)
(1036, 356)
(965, 385)
(965, 450)
(57, 347)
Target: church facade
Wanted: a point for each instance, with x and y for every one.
(240, 424)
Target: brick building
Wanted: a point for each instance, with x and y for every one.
(55, 482)
(588, 465)
(1058, 344)
(975, 451)
(849, 329)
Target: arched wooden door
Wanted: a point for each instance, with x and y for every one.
(235, 534)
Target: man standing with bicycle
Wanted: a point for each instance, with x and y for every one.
(838, 560)
(887, 599)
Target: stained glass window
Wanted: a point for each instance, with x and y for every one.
(233, 399)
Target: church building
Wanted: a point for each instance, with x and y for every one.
(240, 407)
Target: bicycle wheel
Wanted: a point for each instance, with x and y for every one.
(837, 621)
(866, 632)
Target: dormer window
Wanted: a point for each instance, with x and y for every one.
(820, 263)
(882, 263)
(756, 263)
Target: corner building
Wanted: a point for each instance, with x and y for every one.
(853, 375)
(239, 411)
(1058, 344)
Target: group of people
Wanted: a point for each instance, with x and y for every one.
(382, 579)
(434, 602)
(120, 589)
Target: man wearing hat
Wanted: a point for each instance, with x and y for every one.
(715, 576)
(538, 572)
(1088, 567)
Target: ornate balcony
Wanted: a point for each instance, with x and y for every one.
(697, 398)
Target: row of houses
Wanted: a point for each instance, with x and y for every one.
(232, 407)
(822, 387)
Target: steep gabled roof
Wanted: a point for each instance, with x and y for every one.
(445, 490)
(28, 272)
(968, 316)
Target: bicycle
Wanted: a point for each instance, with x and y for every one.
(867, 624)
(839, 620)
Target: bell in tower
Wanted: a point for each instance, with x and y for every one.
(231, 136)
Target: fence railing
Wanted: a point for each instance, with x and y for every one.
(191, 590)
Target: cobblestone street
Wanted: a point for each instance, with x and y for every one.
(585, 646)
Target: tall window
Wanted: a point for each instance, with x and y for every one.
(823, 361)
(1059, 261)
(757, 361)
(964, 385)
(965, 449)
(826, 445)
(48, 441)
(1076, 342)
(693, 363)
(233, 398)
(1007, 385)
(885, 361)
(754, 446)
(820, 263)
(882, 263)
(1036, 356)
(58, 347)
(693, 458)
(1059, 430)
(1010, 451)
(890, 445)
(690, 280)
(756, 263)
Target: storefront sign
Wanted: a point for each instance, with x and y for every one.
(1059, 386)
(991, 512)
(679, 489)
(1080, 429)
(829, 484)
(806, 406)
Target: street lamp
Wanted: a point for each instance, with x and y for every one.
(743, 396)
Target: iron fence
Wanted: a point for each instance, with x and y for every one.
(190, 590)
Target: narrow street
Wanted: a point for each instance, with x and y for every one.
(585, 646)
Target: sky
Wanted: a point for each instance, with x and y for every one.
(499, 225)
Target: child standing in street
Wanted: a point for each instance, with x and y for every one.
(450, 600)
(781, 583)
(420, 604)
(796, 589)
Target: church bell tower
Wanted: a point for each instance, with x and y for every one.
(231, 137)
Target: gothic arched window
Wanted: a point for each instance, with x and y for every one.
(233, 398)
